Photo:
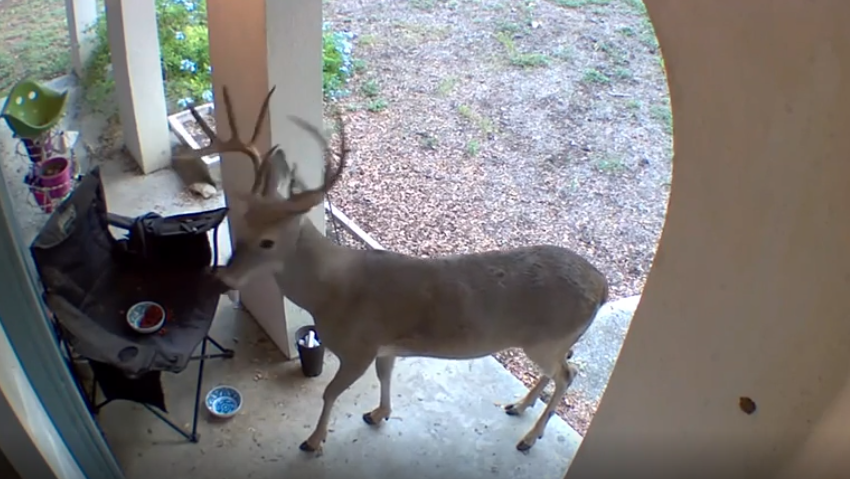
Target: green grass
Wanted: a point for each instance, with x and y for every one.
(663, 114)
(593, 75)
(377, 105)
(519, 59)
(370, 88)
(33, 41)
(633, 105)
(481, 122)
(610, 164)
(446, 86)
(367, 40)
(472, 148)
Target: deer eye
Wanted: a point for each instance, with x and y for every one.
(266, 244)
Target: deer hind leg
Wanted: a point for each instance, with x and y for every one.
(384, 369)
(350, 370)
(519, 407)
(563, 374)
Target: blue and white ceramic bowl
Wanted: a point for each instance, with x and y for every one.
(137, 312)
(224, 401)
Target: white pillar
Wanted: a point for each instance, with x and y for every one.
(82, 14)
(254, 45)
(747, 297)
(138, 82)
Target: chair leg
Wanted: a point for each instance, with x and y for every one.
(89, 397)
(190, 436)
(198, 389)
(224, 353)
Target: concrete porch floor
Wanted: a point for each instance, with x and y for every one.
(446, 421)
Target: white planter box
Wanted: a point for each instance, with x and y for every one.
(176, 122)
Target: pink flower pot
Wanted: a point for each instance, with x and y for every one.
(55, 174)
(51, 181)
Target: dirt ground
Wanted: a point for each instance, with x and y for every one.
(496, 123)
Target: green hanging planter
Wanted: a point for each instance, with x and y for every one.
(32, 109)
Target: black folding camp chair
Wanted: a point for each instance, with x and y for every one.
(90, 279)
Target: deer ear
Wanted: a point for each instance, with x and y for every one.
(269, 178)
(279, 161)
(272, 170)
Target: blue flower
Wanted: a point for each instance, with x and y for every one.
(190, 5)
(346, 46)
(184, 102)
(207, 95)
(188, 66)
(180, 36)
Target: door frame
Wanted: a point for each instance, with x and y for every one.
(24, 319)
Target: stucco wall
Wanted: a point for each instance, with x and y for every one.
(748, 293)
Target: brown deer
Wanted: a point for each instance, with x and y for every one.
(378, 305)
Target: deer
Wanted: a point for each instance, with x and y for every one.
(375, 306)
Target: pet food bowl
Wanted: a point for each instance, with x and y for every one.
(223, 401)
(137, 312)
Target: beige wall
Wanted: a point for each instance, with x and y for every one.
(748, 295)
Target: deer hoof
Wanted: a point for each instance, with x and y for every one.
(512, 410)
(523, 447)
(367, 418)
(306, 447)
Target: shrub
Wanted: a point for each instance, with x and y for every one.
(338, 64)
(184, 47)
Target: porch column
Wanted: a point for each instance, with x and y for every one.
(254, 45)
(82, 14)
(737, 360)
(138, 82)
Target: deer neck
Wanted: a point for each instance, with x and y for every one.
(309, 266)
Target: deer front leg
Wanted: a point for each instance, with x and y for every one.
(384, 369)
(350, 369)
(517, 408)
(563, 379)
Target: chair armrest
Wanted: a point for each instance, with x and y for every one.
(118, 221)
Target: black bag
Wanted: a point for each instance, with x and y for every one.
(179, 241)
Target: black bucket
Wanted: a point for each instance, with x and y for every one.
(312, 359)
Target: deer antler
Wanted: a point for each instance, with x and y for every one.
(235, 143)
(308, 198)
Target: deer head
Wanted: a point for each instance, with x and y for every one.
(271, 224)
